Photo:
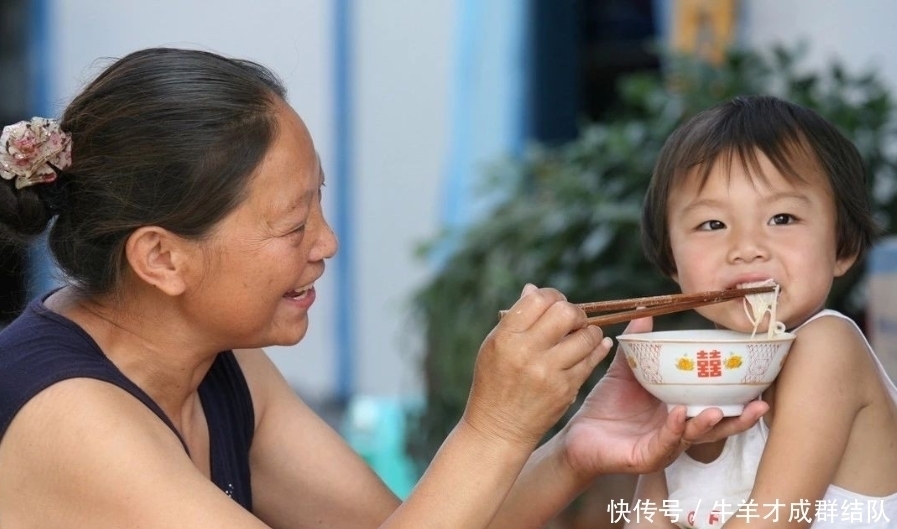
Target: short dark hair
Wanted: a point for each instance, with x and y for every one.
(780, 130)
(164, 137)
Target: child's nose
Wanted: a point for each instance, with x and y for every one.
(746, 246)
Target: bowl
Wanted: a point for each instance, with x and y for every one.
(708, 368)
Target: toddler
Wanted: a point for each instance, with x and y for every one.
(759, 189)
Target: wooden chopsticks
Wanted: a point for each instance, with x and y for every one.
(633, 308)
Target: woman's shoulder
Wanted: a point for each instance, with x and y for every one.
(40, 349)
(258, 370)
(278, 406)
(268, 387)
(84, 449)
(72, 420)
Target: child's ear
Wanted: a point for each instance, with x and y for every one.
(159, 258)
(843, 264)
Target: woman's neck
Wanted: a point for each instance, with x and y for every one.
(147, 341)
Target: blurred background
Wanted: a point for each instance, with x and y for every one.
(474, 145)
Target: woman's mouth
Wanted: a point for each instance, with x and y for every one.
(299, 294)
(302, 298)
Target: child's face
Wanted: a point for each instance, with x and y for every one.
(739, 229)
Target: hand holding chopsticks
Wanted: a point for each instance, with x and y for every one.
(633, 308)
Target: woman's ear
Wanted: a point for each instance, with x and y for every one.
(159, 258)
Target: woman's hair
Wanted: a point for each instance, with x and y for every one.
(162, 137)
(791, 136)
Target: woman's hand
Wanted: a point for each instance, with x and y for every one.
(528, 371)
(621, 428)
(531, 366)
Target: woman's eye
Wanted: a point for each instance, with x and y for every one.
(781, 218)
(711, 225)
(297, 230)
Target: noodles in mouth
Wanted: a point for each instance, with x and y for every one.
(756, 306)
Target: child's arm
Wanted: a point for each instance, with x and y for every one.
(818, 394)
(653, 488)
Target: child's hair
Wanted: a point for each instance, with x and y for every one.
(785, 133)
(164, 137)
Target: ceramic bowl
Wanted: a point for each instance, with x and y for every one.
(711, 368)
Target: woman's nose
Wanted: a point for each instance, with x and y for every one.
(326, 244)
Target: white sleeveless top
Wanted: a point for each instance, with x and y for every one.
(705, 495)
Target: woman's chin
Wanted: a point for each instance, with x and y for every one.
(290, 340)
(287, 335)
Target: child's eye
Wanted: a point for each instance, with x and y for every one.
(711, 225)
(781, 218)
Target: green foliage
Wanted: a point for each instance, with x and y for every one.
(567, 216)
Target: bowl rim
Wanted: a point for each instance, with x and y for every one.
(671, 336)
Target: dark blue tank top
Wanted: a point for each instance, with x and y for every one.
(41, 348)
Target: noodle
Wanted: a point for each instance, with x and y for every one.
(756, 306)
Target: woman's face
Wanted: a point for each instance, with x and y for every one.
(261, 262)
(739, 229)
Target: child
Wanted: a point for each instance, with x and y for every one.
(753, 190)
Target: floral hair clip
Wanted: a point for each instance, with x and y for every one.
(32, 151)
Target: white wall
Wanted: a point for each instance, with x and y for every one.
(403, 56)
(858, 33)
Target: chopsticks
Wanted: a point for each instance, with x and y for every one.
(659, 305)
